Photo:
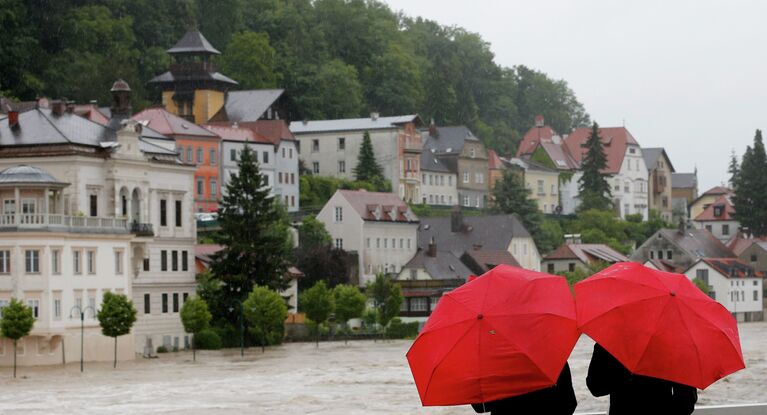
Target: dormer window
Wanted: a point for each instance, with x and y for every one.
(718, 210)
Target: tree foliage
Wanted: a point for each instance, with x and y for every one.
(512, 196)
(750, 199)
(593, 188)
(387, 298)
(195, 317)
(265, 311)
(581, 273)
(312, 233)
(318, 303)
(349, 302)
(116, 317)
(251, 60)
(17, 321)
(315, 191)
(367, 169)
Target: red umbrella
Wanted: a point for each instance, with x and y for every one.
(659, 324)
(503, 334)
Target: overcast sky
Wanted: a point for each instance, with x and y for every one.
(685, 75)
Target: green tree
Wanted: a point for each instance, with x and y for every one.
(16, 322)
(350, 303)
(394, 82)
(251, 60)
(581, 273)
(116, 317)
(367, 169)
(593, 187)
(254, 233)
(312, 234)
(702, 285)
(195, 317)
(387, 298)
(733, 169)
(750, 199)
(331, 91)
(549, 236)
(265, 311)
(512, 196)
(318, 303)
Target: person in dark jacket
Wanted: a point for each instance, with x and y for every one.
(634, 394)
(555, 400)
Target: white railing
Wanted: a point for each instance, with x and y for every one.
(54, 220)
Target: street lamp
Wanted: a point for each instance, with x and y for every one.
(242, 326)
(82, 311)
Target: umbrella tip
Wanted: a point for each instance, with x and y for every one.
(673, 293)
(480, 316)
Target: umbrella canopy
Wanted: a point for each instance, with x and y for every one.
(506, 333)
(659, 324)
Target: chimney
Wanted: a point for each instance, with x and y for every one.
(121, 103)
(682, 226)
(433, 129)
(13, 119)
(539, 121)
(456, 219)
(374, 116)
(432, 251)
(57, 107)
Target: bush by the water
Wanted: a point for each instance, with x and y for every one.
(399, 330)
(207, 340)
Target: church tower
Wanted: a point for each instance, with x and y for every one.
(192, 88)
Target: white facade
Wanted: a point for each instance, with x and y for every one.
(742, 296)
(721, 229)
(525, 252)
(230, 156)
(382, 246)
(568, 193)
(286, 174)
(439, 188)
(630, 188)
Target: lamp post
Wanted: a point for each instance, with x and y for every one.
(242, 326)
(82, 311)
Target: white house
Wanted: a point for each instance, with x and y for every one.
(439, 185)
(380, 227)
(718, 218)
(732, 283)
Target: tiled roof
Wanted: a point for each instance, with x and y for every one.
(532, 138)
(651, 156)
(249, 105)
(493, 161)
(615, 140)
(444, 266)
(235, 133)
(40, 126)
(431, 162)
(732, 268)
(480, 261)
(169, 124)
(560, 155)
(168, 77)
(684, 180)
(721, 204)
(491, 232)
(92, 112)
(587, 253)
(697, 243)
(193, 42)
(664, 265)
(379, 206)
(449, 140)
(717, 190)
(352, 124)
(23, 174)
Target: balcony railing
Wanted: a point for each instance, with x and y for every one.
(142, 229)
(62, 222)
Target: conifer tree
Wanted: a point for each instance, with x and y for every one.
(368, 169)
(750, 199)
(512, 196)
(593, 186)
(254, 233)
(733, 169)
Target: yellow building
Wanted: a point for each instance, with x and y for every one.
(706, 199)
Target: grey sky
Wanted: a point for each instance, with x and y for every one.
(685, 75)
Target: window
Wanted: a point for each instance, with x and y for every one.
(341, 143)
(378, 242)
(279, 177)
(708, 228)
(626, 187)
(57, 308)
(55, 261)
(408, 243)
(419, 304)
(702, 274)
(413, 274)
(178, 213)
(725, 229)
(386, 242)
(147, 304)
(540, 188)
(669, 254)
(626, 209)
(756, 295)
(118, 262)
(465, 200)
(174, 260)
(652, 254)
(315, 145)
(753, 259)
(181, 152)
(449, 180)
(401, 243)
(163, 260)
(189, 155)
(92, 305)
(165, 303)
(146, 264)
(292, 201)
(90, 257)
(185, 297)
(35, 306)
(184, 261)
(479, 177)
(290, 153)
(163, 212)
(232, 155)
(199, 156)
(316, 167)
(465, 177)
(283, 152)
(553, 189)
(342, 166)
(213, 156)
(472, 152)
(5, 262)
(76, 265)
(433, 303)
(367, 242)
(339, 243)
(9, 206)
(660, 254)
(339, 216)
(32, 261)
(550, 268)
(571, 266)
(175, 302)
(94, 205)
(265, 158)
(213, 188)
(200, 187)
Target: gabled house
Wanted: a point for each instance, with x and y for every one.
(699, 204)
(439, 184)
(542, 181)
(681, 247)
(734, 284)
(718, 218)
(379, 227)
(684, 189)
(571, 255)
(660, 170)
(495, 169)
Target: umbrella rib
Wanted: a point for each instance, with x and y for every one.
(613, 308)
(479, 345)
(436, 366)
(697, 350)
(655, 330)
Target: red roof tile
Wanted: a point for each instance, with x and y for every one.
(378, 206)
(91, 112)
(169, 124)
(614, 139)
(532, 138)
(493, 161)
(732, 268)
(717, 190)
(587, 253)
(723, 206)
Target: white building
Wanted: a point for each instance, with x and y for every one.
(332, 147)
(719, 219)
(439, 185)
(732, 283)
(378, 226)
(94, 210)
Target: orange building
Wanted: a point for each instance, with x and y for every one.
(196, 146)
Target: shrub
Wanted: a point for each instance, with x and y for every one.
(162, 349)
(207, 340)
(399, 330)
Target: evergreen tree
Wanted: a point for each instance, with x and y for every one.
(254, 233)
(368, 169)
(733, 169)
(16, 322)
(116, 317)
(512, 196)
(593, 186)
(750, 199)
(386, 296)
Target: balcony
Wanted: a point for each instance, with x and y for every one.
(142, 229)
(10, 222)
(412, 145)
